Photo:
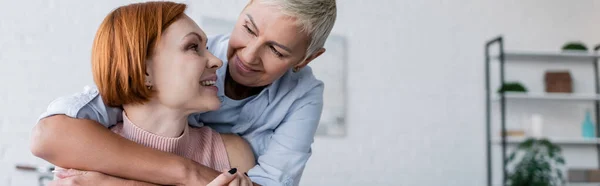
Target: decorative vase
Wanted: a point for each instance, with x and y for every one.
(587, 126)
(537, 125)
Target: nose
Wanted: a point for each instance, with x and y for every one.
(213, 62)
(250, 53)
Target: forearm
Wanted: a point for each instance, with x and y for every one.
(87, 145)
(137, 183)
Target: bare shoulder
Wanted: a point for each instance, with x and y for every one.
(239, 152)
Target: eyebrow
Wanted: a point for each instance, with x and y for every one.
(280, 46)
(270, 42)
(194, 34)
(253, 24)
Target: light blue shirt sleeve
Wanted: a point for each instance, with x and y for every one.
(289, 149)
(84, 105)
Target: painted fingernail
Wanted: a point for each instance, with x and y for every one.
(245, 173)
(232, 171)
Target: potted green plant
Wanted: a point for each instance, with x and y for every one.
(575, 46)
(512, 87)
(536, 162)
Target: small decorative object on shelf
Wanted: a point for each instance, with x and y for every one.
(512, 87)
(515, 133)
(575, 46)
(587, 126)
(540, 164)
(559, 82)
(537, 126)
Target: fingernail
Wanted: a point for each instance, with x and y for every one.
(233, 171)
(246, 174)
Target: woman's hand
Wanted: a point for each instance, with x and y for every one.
(231, 178)
(74, 177)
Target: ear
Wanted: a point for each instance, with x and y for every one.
(311, 58)
(148, 73)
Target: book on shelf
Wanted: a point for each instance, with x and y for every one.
(583, 175)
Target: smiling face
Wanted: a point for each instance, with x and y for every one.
(264, 45)
(181, 70)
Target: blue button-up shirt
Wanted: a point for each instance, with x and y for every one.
(279, 123)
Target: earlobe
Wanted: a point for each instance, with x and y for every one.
(148, 77)
(148, 83)
(148, 80)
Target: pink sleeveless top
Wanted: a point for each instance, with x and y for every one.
(203, 145)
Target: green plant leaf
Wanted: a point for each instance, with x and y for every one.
(512, 87)
(560, 160)
(559, 174)
(526, 144)
(575, 45)
(511, 157)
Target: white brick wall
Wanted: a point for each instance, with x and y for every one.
(415, 72)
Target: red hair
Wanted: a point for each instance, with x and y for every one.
(125, 39)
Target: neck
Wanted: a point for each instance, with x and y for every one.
(157, 119)
(237, 91)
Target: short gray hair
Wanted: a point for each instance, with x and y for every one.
(316, 17)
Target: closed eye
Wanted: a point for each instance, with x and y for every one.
(277, 53)
(193, 47)
(249, 30)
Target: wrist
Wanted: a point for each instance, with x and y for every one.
(188, 173)
(180, 171)
(197, 174)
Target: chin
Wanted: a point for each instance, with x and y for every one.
(212, 105)
(204, 105)
(244, 80)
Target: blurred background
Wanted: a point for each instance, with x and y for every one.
(410, 75)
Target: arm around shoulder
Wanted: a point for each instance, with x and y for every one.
(51, 134)
(87, 144)
(56, 124)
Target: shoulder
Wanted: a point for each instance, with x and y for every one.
(87, 104)
(239, 152)
(304, 84)
(234, 141)
(73, 105)
(307, 79)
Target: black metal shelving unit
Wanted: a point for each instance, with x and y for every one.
(501, 59)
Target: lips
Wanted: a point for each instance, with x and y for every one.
(242, 67)
(209, 80)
